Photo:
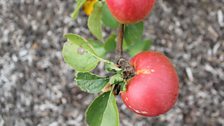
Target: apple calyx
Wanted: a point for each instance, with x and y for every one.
(127, 68)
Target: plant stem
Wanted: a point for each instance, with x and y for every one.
(120, 41)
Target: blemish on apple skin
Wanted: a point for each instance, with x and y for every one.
(143, 112)
(80, 51)
(152, 70)
(126, 99)
(130, 106)
(140, 112)
(137, 111)
(144, 71)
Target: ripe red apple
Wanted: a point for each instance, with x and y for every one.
(130, 11)
(154, 88)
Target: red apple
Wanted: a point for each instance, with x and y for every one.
(154, 88)
(130, 11)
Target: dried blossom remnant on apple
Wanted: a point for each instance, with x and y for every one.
(128, 69)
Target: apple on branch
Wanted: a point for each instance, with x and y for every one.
(130, 11)
(154, 88)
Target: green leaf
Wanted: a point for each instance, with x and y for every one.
(79, 4)
(110, 44)
(139, 47)
(84, 44)
(78, 58)
(133, 33)
(94, 21)
(112, 67)
(98, 47)
(123, 86)
(125, 45)
(90, 82)
(79, 54)
(79, 41)
(103, 111)
(108, 19)
(116, 79)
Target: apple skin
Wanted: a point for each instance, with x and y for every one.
(154, 89)
(130, 11)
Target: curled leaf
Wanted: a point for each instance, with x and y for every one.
(90, 82)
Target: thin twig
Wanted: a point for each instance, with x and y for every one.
(120, 41)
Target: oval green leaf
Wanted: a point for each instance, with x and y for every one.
(103, 111)
(108, 19)
(110, 44)
(79, 4)
(138, 47)
(73, 38)
(133, 33)
(78, 58)
(98, 48)
(94, 21)
(79, 54)
(91, 83)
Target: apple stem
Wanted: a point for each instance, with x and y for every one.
(128, 70)
(122, 63)
(120, 40)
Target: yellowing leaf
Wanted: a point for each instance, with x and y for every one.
(88, 6)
